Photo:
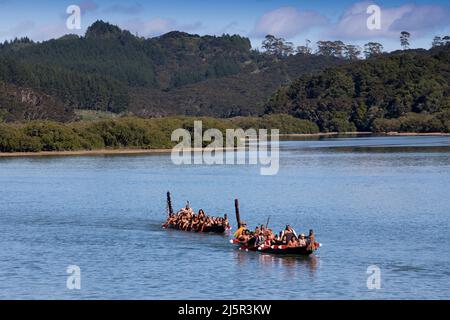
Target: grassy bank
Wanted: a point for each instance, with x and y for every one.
(138, 135)
(127, 132)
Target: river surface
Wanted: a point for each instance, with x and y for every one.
(372, 201)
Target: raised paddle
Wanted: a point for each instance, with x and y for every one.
(267, 223)
(169, 203)
(236, 207)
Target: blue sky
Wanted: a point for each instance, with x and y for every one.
(295, 20)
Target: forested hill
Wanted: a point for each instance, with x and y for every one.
(110, 69)
(401, 91)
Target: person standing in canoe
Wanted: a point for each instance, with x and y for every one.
(241, 230)
(312, 244)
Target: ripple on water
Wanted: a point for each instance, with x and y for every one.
(372, 201)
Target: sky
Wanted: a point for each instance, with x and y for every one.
(293, 20)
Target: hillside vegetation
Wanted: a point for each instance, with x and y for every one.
(400, 91)
(112, 72)
(110, 69)
(127, 132)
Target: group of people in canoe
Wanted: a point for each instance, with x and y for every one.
(260, 239)
(263, 236)
(186, 219)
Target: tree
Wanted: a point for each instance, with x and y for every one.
(437, 41)
(330, 48)
(372, 49)
(408, 85)
(445, 40)
(440, 41)
(277, 46)
(287, 49)
(302, 50)
(338, 48)
(306, 49)
(404, 39)
(272, 45)
(352, 52)
(324, 48)
(269, 44)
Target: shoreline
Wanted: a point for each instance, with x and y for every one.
(84, 152)
(325, 134)
(99, 152)
(379, 134)
(138, 151)
(412, 134)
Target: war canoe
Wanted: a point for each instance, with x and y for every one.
(275, 249)
(212, 229)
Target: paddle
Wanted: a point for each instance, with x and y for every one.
(236, 207)
(267, 223)
(169, 203)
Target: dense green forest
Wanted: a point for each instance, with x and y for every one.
(110, 69)
(127, 132)
(336, 87)
(401, 91)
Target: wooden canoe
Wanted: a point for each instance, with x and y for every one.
(274, 249)
(213, 229)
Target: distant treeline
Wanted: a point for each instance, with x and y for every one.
(179, 74)
(96, 71)
(128, 132)
(110, 69)
(402, 91)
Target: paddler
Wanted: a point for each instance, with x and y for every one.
(302, 241)
(241, 230)
(312, 242)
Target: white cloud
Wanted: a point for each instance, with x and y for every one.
(19, 30)
(152, 27)
(417, 19)
(232, 28)
(37, 32)
(287, 22)
(87, 6)
(422, 18)
(124, 9)
(158, 26)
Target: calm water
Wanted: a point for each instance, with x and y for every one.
(372, 201)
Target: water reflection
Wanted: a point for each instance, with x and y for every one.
(105, 213)
(292, 266)
(420, 144)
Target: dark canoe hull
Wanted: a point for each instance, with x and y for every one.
(275, 249)
(302, 251)
(213, 229)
